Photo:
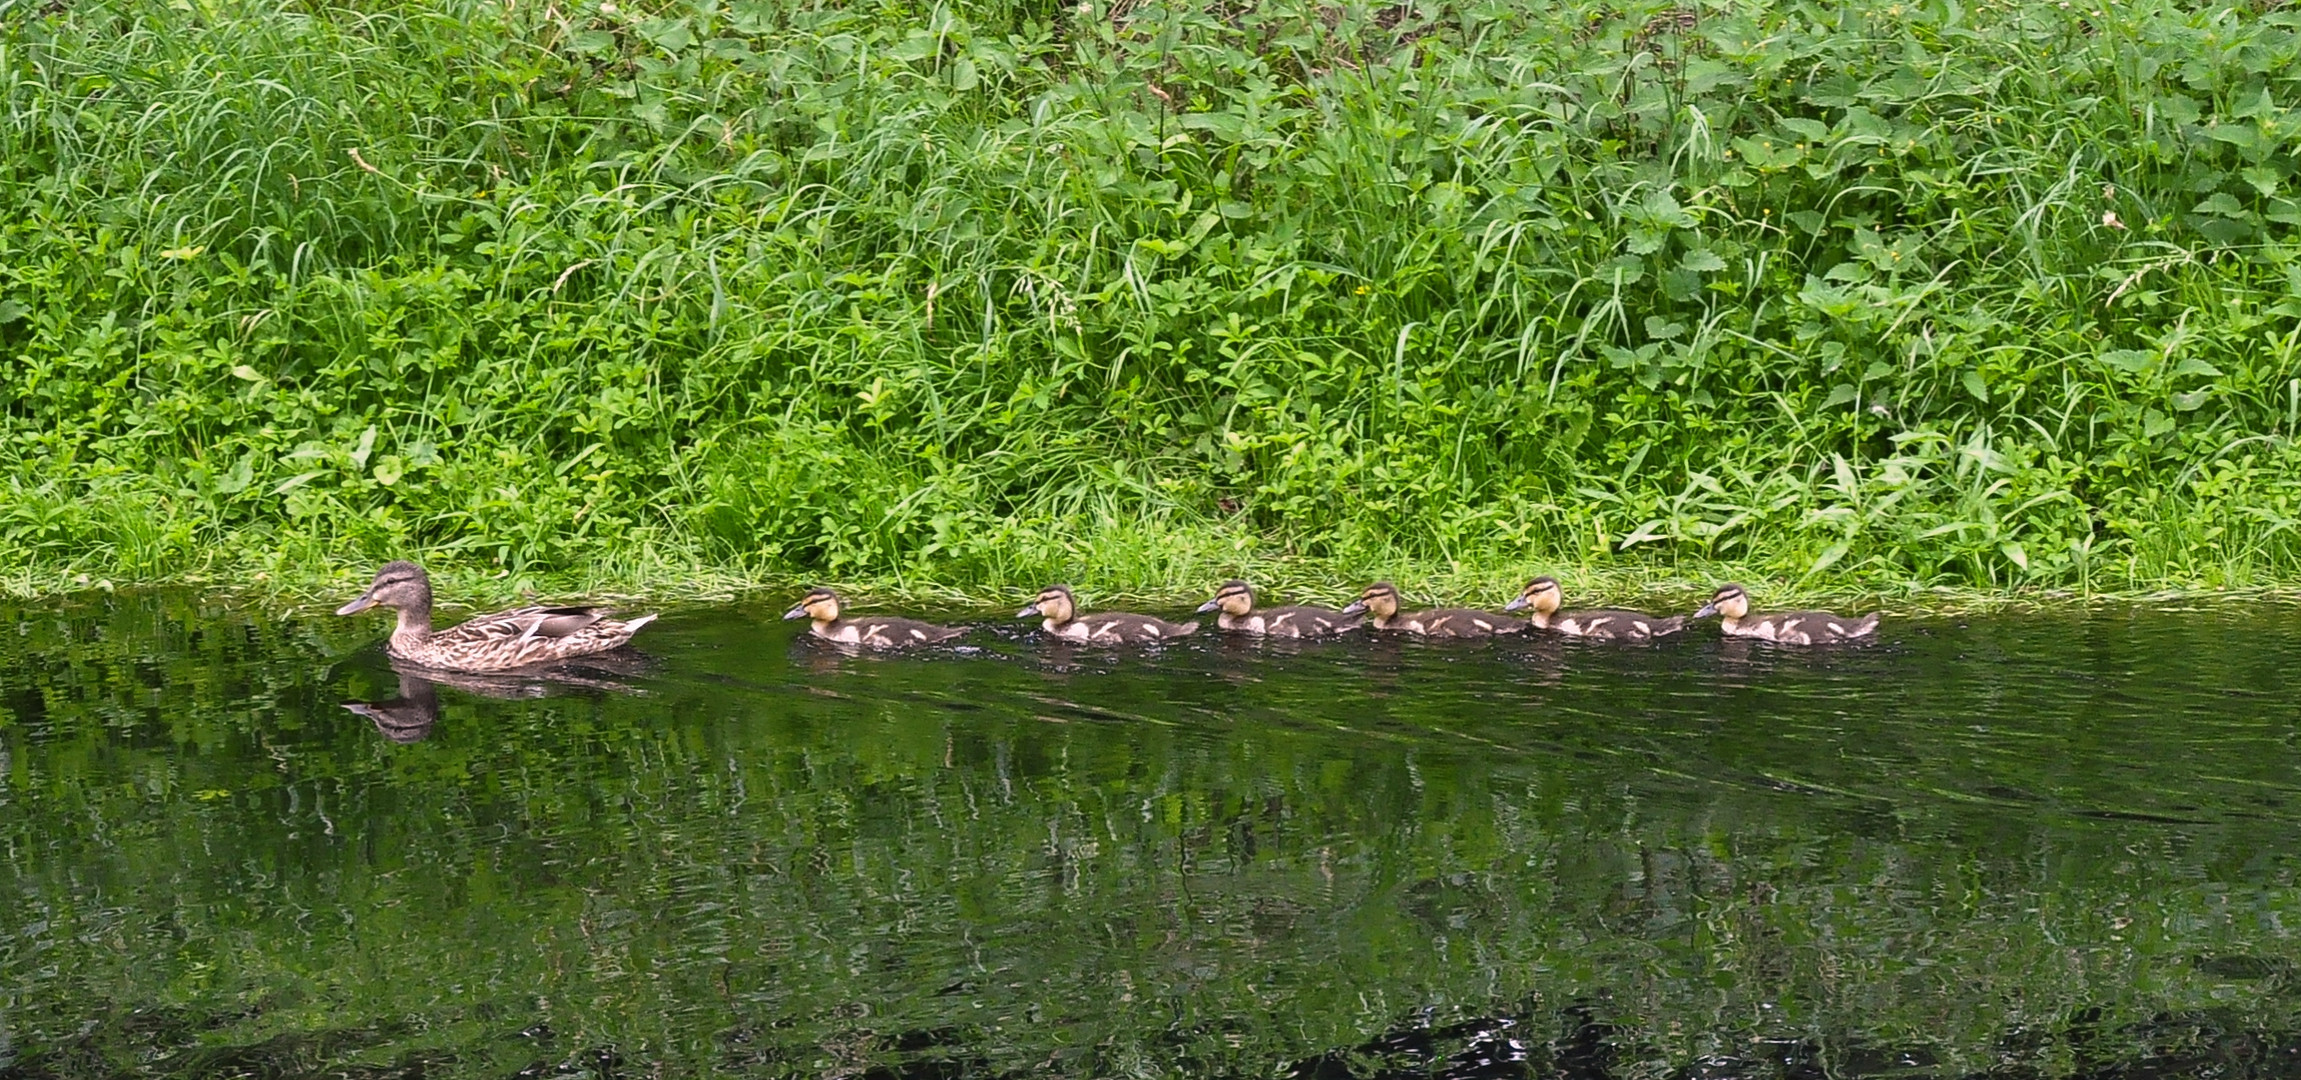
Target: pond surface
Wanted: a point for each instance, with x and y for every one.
(2032, 845)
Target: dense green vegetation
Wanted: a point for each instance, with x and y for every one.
(1873, 295)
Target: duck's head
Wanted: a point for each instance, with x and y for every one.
(1379, 600)
(399, 585)
(1541, 595)
(821, 605)
(1729, 601)
(1235, 599)
(1054, 603)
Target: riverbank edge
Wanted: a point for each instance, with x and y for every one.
(1487, 579)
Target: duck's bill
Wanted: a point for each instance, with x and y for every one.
(1516, 604)
(1357, 607)
(364, 602)
(1027, 612)
(1707, 611)
(799, 612)
(1209, 606)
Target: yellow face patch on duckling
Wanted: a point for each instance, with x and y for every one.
(1378, 601)
(821, 605)
(1541, 596)
(1730, 602)
(1235, 600)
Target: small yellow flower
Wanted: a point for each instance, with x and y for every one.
(1361, 290)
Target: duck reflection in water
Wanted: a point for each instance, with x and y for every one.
(410, 717)
(404, 719)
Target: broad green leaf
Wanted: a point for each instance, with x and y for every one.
(1974, 384)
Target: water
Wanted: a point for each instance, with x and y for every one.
(2054, 844)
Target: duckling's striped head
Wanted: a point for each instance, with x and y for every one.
(1541, 594)
(401, 585)
(1730, 601)
(1235, 598)
(1054, 604)
(821, 605)
(1379, 600)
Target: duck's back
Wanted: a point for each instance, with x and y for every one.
(885, 632)
(1812, 627)
(1298, 620)
(521, 637)
(1457, 622)
(1119, 627)
(1614, 625)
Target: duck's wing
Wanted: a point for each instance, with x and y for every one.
(523, 624)
(523, 636)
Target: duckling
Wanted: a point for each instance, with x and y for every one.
(1732, 605)
(1543, 595)
(1235, 603)
(499, 641)
(1061, 618)
(1380, 600)
(870, 632)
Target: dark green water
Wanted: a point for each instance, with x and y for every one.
(2016, 846)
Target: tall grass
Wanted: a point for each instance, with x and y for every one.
(1879, 295)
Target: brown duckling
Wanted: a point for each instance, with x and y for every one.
(1234, 603)
(1380, 601)
(1542, 596)
(1732, 605)
(1060, 617)
(870, 631)
(499, 641)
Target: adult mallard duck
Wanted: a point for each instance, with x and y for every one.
(1732, 605)
(1234, 605)
(497, 642)
(1542, 596)
(1060, 617)
(870, 631)
(1380, 600)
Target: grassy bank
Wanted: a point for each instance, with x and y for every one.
(673, 297)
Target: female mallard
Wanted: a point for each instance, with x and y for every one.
(871, 631)
(1235, 604)
(1542, 595)
(1732, 605)
(1380, 600)
(498, 642)
(1061, 618)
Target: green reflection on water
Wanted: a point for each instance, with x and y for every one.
(2036, 841)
